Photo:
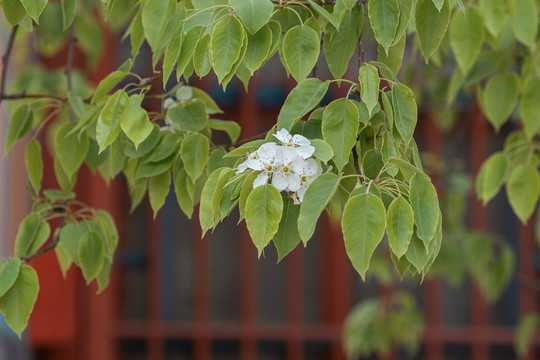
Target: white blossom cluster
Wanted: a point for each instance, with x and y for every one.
(289, 165)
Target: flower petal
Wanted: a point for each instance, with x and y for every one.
(283, 136)
(305, 151)
(267, 152)
(311, 167)
(242, 167)
(300, 140)
(254, 164)
(298, 166)
(279, 180)
(300, 192)
(293, 182)
(261, 179)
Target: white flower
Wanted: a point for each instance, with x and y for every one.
(300, 144)
(307, 170)
(284, 178)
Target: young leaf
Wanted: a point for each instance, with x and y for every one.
(384, 18)
(172, 53)
(186, 51)
(158, 188)
(425, 205)
(91, 253)
(202, 62)
(258, 47)
(230, 127)
(264, 207)
(523, 189)
(525, 331)
(341, 8)
(431, 25)
(13, 11)
(301, 47)
(500, 97)
(34, 164)
(226, 45)
(287, 237)
(32, 233)
(253, 13)
(399, 226)
(206, 213)
(340, 129)
(194, 153)
(525, 21)
(301, 100)
(9, 271)
(492, 176)
(70, 149)
(191, 117)
(135, 123)
(108, 125)
(363, 225)
(34, 8)
(18, 126)
(68, 12)
(325, 14)
(17, 303)
(323, 151)
(417, 253)
(530, 106)
(339, 45)
(405, 111)
(493, 12)
(466, 37)
(317, 196)
(183, 188)
(369, 86)
(405, 14)
(107, 84)
(155, 18)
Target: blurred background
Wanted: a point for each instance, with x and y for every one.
(175, 296)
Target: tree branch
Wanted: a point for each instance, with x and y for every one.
(5, 61)
(69, 65)
(361, 39)
(283, 3)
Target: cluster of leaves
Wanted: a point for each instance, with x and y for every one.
(376, 326)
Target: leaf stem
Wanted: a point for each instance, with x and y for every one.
(5, 61)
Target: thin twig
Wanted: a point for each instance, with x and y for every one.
(5, 61)
(283, 3)
(69, 65)
(361, 39)
(51, 245)
(24, 95)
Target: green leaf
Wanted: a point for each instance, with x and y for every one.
(13, 11)
(530, 106)
(253, 13)
(194, 153)
(394, 58)
(301, 100)
(339, 45)
(9, 271)
(372, 163)
(264, 207)
(186, 51)
(363, 224)
(191, 117)
(493, 12)
(325, 14)
(431, 25)
(172, 53)
(323, 151)
(316, 198)
(492, 176)
(155, 17)
(66, 183)
(104, 275)
(259, 45)
(500, 97)
(144, 148)
(149, 168)
(230, 127)
(301, 47)
(342, 7)
(18, 302)
(135, 122)
(340, 129)
(384, 19)
(209, 104)
(202, 62)
(183, 189)
(18, 126)
(32, 233)
(466, 37)
(34, 8)
(526, 329)
(109, 121)
(417, 253)
(91, 253)
(34, 164)
(405, 14)
(369, 86)
(425, 204)
(226, 45)
(525, 21)
(206, 213)
(523, 189)
(405, 111)
(107, 84)
(287, 237)
(399, 226)
(68, 12)
(158, 188)
(70, 149)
